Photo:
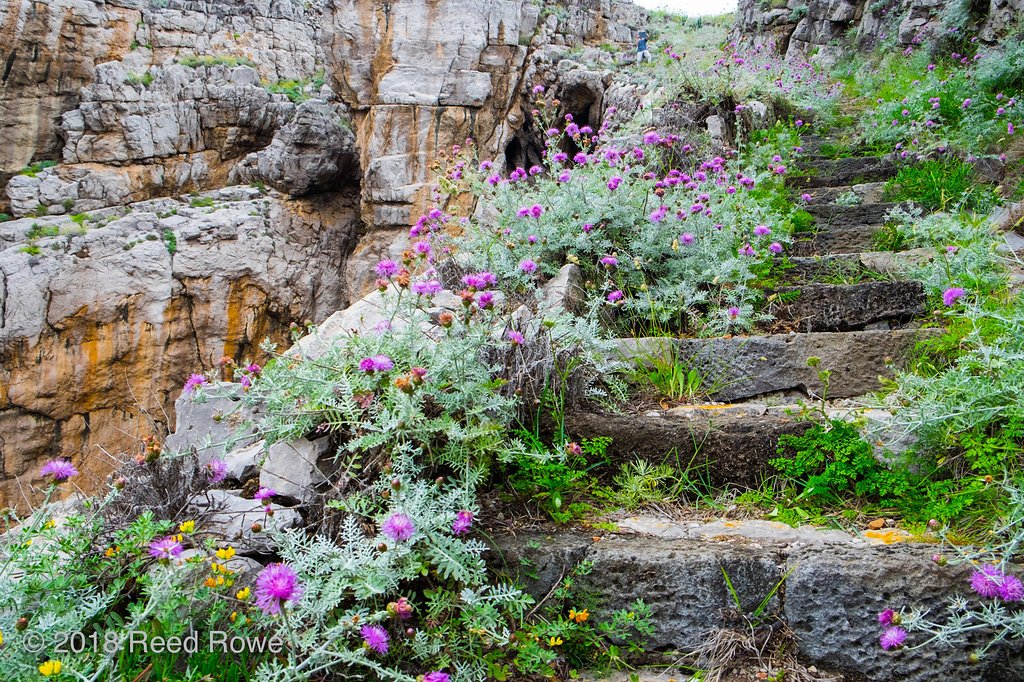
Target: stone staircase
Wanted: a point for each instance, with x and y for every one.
(833, 583)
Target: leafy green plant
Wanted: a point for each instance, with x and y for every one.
(218, 60)
(34, 169)
(170, 241)
(201, 202)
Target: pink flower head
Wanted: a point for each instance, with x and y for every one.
(659, 214)
(275, 585)
(194, 382)
(609, 262)
(59, 470)
(165, 549)
(436, 676)
(463, 520)
(806, 197)
(427, 288)
(485, 300)
(615, 296)
(614, 182)
(988, 581)
(746, 250)
(952, 295)
(263, 494)
(1012, 589)
(376, 363)
(686, 238)
(398, 527)
(216, 471)
(893, 638)
(762, 230)
(565, 176)
(537, 89)
(528, 266)
(480, 280)
(375, 637)
(652, 138)
(734, 312)
(422, 247)
(887, 618)
(775, 247)
(387, 268)
(515, 337)
(401, 608)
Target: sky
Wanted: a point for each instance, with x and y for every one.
(690, 7)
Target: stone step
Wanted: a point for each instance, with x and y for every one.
(833, 585)
(869, 192)
(835, 239)
(725, 445)
(741, 367)
(876, 264)
(832, 214)
(848, 307)
(848, 171)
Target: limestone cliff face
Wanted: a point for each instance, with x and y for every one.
(821, 28)
(103, 322)
(115, 284)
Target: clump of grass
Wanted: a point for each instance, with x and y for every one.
(201, 202)
(941, 184)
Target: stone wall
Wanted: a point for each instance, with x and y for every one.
(822, 28)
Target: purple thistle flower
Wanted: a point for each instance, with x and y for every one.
(615, 296)
(528, 266)
(775, 247)
(952, 295)
(59, 470)
(398, 527)
(747, 250)
(422, 247)
(427, 288)
(165, 549)
(1012, 589)
(614, 182)
(194, 382)
(734, 312)
(275, 585)
(538, 88)
(534, 170)
(480, 280)
(216, 471)
(560, 157)
(536, 210)
(564, 176)
(806, 197)
(485, 300)
(686, 238)
(762, 230)
(387, 268)
(893, 638)
(886, 618)
(658, 214)
(263, 494)
(515, 337)
(581, 159)
(375, 637)
(376, 363)
(609, 261)
(988, 581)
(436, 676)
(463, 520)
(652, 138)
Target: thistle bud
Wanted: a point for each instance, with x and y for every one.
(256, 527)
(21, 623)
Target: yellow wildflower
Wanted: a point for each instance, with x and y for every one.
(111, 551)
(233, 617)
(226, 553)
(578, 616)
(49, 668)
(555, 641)
(50, 524)
(1, 639)
(210, 582)
(187, 527)
(243, 594)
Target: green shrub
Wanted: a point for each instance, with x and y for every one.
(219, 60)
(201, 202)
(37, 168)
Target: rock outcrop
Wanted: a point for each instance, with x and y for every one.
(104, 319)
(822, 28)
